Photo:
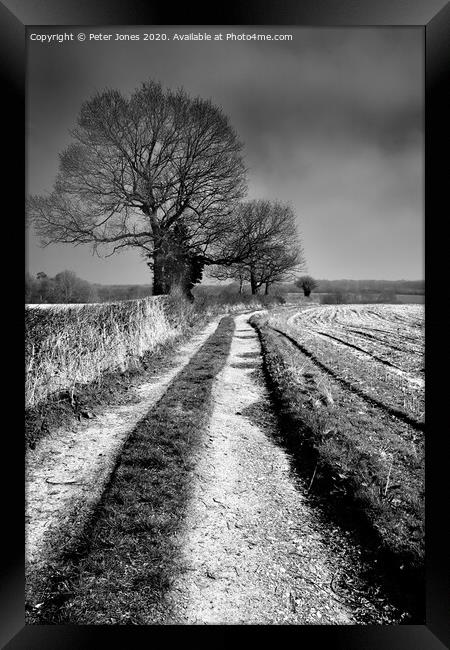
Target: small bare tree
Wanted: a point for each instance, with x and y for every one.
(280, 266)
(267, 231)
(158, 171)
(237, 272)
(307, 284)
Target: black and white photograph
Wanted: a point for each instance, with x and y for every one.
(225, 325)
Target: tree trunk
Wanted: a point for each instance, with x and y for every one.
(253, 284)
(307, 292)
(266, 291)
(161, 285)
(177, 268)
(241, 282)
(158, 257)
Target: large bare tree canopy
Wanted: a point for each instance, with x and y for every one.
(159, 171)
(267, 232)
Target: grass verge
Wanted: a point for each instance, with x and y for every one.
(66, 347)
(368, 465)
(119, 571)
(82, 357)
(66, 407)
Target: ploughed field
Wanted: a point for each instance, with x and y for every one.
(351, 379)
(377, 349)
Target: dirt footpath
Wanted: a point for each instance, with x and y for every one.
(67, 472)
(254, 552)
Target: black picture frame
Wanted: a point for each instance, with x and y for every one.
(434, 17)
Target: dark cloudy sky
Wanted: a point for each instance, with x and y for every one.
(332, 122)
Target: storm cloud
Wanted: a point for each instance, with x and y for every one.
(332, 122)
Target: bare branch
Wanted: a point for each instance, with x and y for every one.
(139, 167)
(266, 244)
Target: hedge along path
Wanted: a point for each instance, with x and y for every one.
(119, 573)
(253, 550)
(67, 472)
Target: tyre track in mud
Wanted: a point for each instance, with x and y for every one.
(403, 373)
(356, 347)
(419, 426)
(380, 339)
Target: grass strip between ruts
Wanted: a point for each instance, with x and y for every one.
(121, 570)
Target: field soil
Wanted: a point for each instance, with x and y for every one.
(349, 382)
(67, 471)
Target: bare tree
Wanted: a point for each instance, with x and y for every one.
(42, 288)
(68, 287)
(158, 171)
(280, 265)
(237, 272)
(267, 232)
(307, 283)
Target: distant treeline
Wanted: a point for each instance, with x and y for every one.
(67, 287)
(375, 286)
(113, 292)
(411, 287)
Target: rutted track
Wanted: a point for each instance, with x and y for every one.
(254, 551)
(67, 472)
(253, 548)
